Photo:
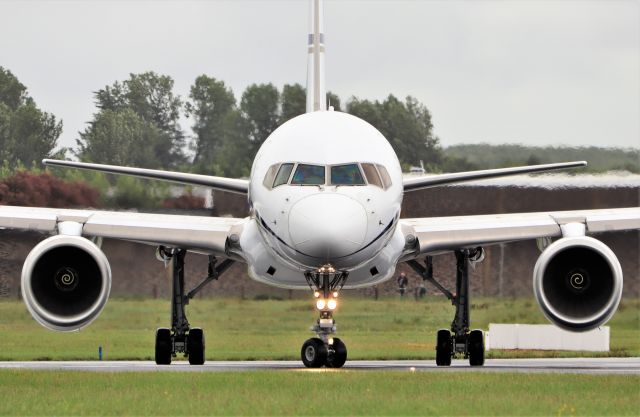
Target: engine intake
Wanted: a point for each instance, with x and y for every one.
(578, 283)
(66, 282)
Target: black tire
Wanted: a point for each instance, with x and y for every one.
(475, 346)
(314, 353)
(338, 357)
(444, 348)
(163, 346)
(195, 346)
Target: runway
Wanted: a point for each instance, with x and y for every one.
(630, 366)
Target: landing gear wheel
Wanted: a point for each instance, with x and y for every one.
(195, 346)
(476, 348)
(444, 348)
(314, 353)
(163, 346)
(338, 357)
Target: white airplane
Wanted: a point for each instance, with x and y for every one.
(325, 194)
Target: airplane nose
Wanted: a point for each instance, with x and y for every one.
(327, 225)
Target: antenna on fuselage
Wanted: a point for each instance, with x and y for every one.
(316, 95)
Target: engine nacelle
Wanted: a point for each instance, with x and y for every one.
(578, 283)
(66, 282)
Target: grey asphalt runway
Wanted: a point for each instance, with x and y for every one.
(629, 366)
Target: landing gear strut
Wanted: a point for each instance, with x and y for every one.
(325, 350)
(460, 340)
(182, 338)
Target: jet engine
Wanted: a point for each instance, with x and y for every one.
(578, 283)
(66, 282)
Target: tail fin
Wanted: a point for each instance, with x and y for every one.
(316, 94)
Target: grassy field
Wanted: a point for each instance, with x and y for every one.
(315, 393)
(259, 330)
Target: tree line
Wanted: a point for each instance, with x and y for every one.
(137, 123)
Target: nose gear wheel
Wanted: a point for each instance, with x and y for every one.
(325, 350)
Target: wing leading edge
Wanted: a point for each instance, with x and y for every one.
(197, 233)
(437, 234)
(413, 184)
(232, 185)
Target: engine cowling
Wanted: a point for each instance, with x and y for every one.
(578, 283)
(66, 282)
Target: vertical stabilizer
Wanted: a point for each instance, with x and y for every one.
(316, 94)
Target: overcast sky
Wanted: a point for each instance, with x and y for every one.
(532, 72)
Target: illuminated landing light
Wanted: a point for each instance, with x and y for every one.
(321, 304)
(332, 304)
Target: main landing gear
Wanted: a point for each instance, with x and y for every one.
(325, 350)
(182, 338)
(459, 340)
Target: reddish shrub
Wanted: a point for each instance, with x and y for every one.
(184, 202)
(35, 190)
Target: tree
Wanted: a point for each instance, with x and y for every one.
(260, 106)
(368, 111)
(406, 125)
(294, 102)
(333, 100)
(150, 97)
(210, 102)
(27, 134)
(121, 137)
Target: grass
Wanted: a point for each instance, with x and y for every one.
(261, 330)
(315, 393)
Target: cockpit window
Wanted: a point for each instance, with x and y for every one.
(271, 173)
(283, 174)
(386, 178)
(372, 175)
(346, 175)
(308, 175)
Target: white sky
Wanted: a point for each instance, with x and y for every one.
(532, 72)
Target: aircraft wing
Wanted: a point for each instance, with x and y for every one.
(232, 185)
(413, 184)
(197, 233)
(436, 234)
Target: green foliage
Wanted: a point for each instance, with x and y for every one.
(406, 125)
(484, 156)
(131, 192)
(334, 101)
(145, 109)
(294, 102)
(27, 134)
(210, 102)
(260, 106)
(122, 137)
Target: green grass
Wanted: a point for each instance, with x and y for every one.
(260, 330)
(315, 393)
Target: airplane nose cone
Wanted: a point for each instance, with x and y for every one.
(327, 225)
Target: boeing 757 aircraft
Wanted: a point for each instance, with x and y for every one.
(325, 194)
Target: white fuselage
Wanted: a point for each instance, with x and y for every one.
(326, 188)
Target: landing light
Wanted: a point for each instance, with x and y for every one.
(335, 294)
(316, 294)
(332, 304)
(320, 304)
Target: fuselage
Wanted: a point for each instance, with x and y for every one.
(325, 189)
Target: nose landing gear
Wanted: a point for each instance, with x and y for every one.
(325, 350)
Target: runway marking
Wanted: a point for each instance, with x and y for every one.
(630, 366)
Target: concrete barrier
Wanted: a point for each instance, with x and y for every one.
(545, 337)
